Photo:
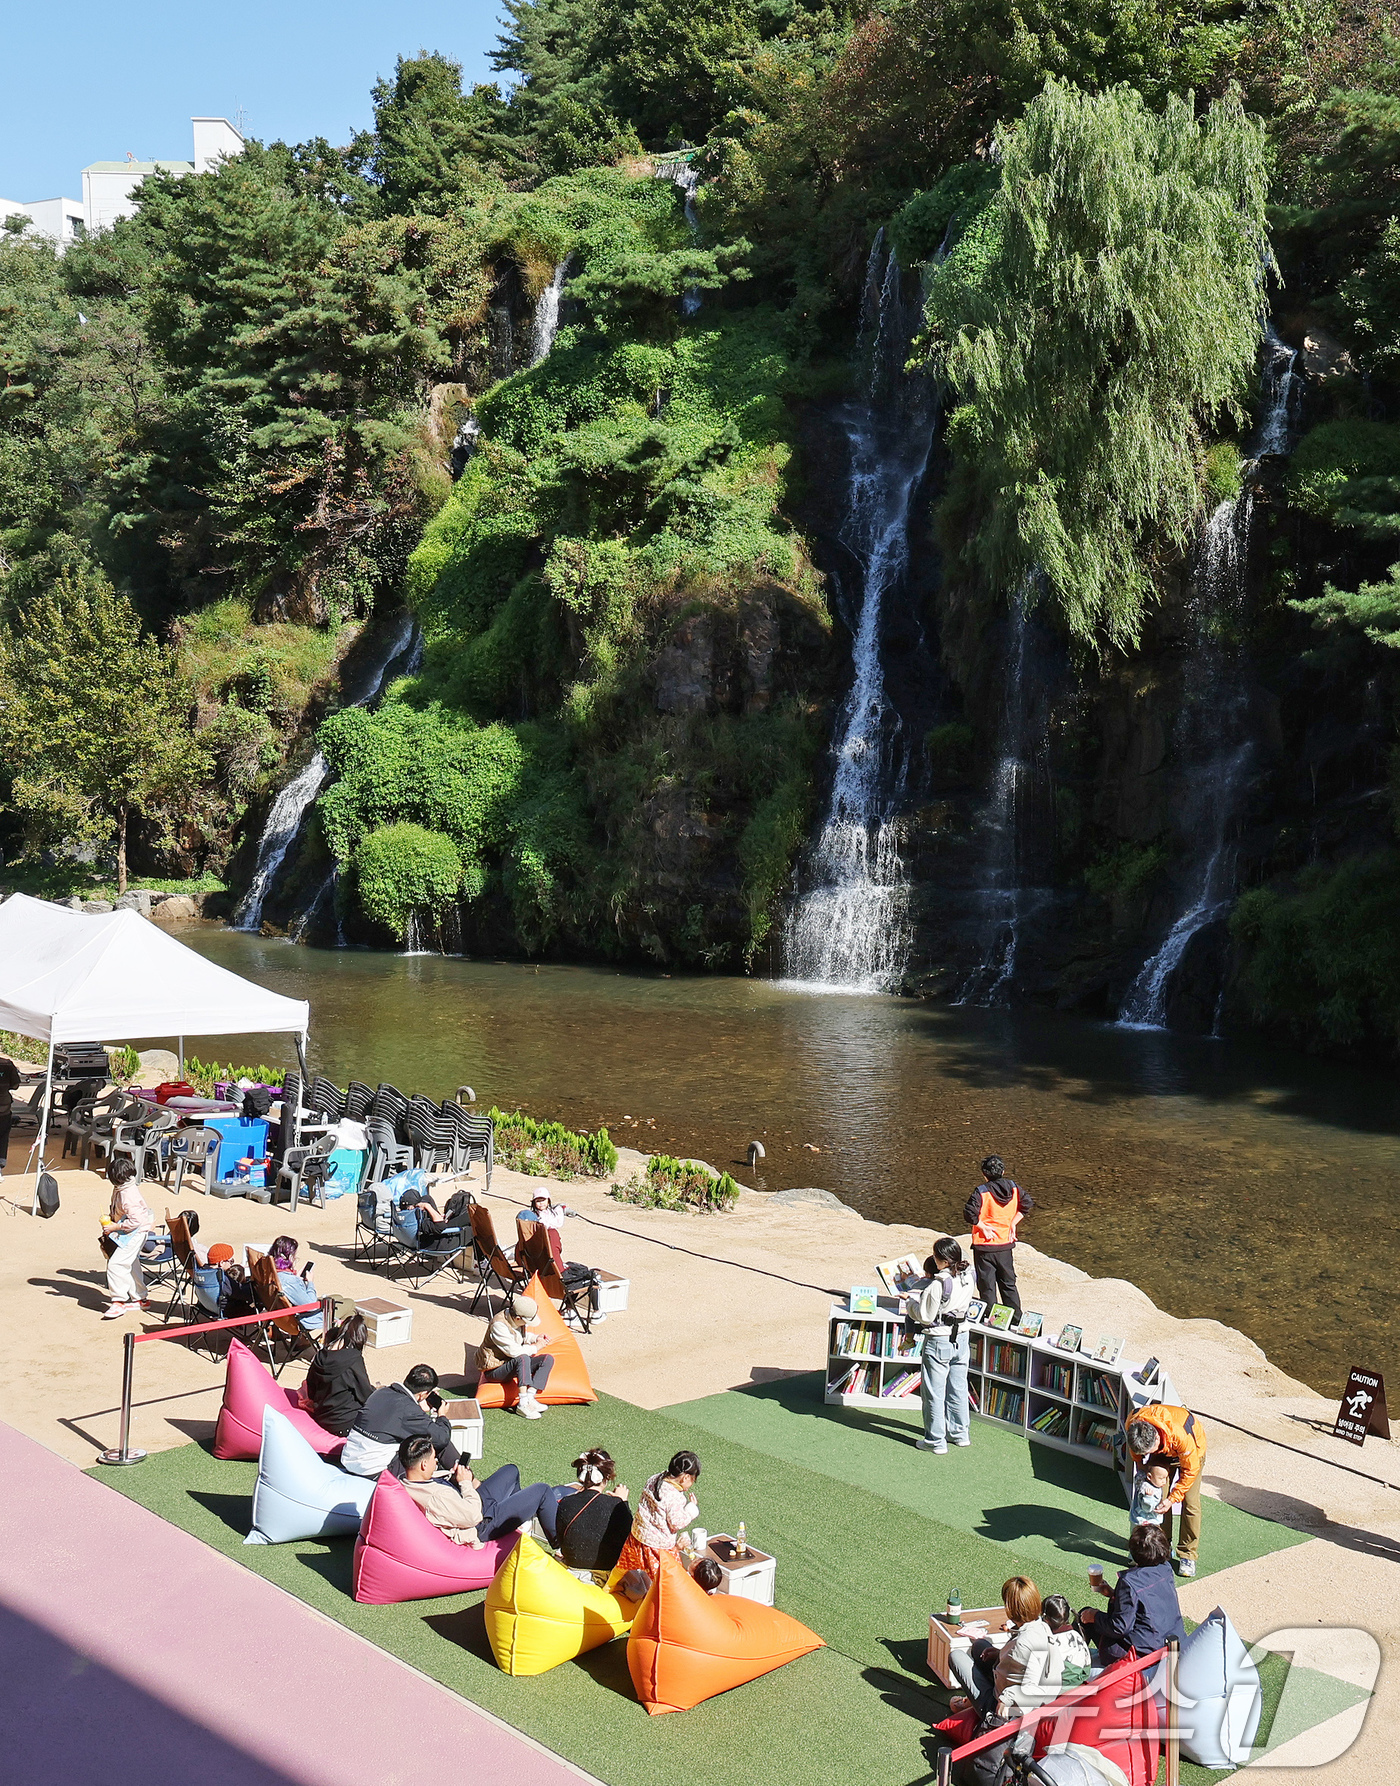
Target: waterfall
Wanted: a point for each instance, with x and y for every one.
(547, 313)
(1004, 900)
(284, 821)
(850, 929)
(688, 179)
(1212, 734)
(463, 446)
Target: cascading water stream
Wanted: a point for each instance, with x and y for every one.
(547, 313)
(289, 809)
(1004, 899)
(1212, 734)
(850, 931)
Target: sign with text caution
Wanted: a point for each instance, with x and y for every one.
(1363, 1409)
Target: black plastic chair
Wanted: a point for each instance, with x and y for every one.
(328, 1099)
(359, 1101)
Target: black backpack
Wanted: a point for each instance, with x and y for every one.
(46, 1194)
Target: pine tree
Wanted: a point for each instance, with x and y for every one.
(93, 724)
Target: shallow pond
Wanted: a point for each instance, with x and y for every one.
(1227, 1179)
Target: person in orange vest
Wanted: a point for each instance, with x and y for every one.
(1176, 1438)
(994, 1212)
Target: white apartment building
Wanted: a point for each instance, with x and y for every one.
(109, 187)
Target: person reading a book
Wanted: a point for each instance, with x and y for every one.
(1143, 1610)
(941, 1318)
(994, 1212)
(1176, 1438)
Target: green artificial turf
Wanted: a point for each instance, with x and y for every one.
(1058, 1509)
(861, 1568)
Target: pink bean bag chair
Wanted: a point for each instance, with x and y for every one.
(249, 1387)
(401, 1555)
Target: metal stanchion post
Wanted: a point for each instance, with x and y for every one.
(123, 1453)
(945, 1766)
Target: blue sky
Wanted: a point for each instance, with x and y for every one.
(87, 82)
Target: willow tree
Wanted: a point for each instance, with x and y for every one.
(1104, 302)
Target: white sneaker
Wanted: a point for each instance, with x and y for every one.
(527, 1410)
(962, 1441)
(596, 1320)
(118, 1309)
(1186, 1567)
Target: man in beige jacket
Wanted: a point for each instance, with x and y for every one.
(467, 1511)
(510, 1353)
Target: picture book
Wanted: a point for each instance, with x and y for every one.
(1029, 1325)
(900, 1276)
(1108, 1349)
(976, 1309)
(1001, 1316)
(1069, 1338)
(862, 1300)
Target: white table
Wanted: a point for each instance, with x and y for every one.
(750, 1577)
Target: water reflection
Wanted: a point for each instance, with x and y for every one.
(1227, 1179)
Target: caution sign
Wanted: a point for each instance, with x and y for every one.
(1363, 1409)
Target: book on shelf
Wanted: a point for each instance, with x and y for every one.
(1097, 1433)
(901, 1276)
(1029, 1325)
(900, 1385)
(1006, 1360)
(976, 1309)
(1099, 1390)
(1053, 1422)
(1001, 1316)
(1056, 1377)
(1069, 1338)
(974, 1398)
(1108, 1349)
(861, 1300)
(1004, 1403)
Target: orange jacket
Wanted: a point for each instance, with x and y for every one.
(1181, 1440)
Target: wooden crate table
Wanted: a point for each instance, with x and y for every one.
(751, 1576)
(468, 1427)
(389, 1323)
(945, 1637)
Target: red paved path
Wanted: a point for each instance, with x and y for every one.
(120, 1667)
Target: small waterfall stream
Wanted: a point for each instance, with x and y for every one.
(1004, 899)
(284, 821)
(849, 930)
(1213, 742)
(546, 325)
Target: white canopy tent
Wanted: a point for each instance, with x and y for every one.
(114, 976)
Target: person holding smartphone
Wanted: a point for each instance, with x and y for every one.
(296, 1285)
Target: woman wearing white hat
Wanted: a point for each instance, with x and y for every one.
(510, 1353)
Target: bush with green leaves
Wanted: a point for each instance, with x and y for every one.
(403, 871)
(1321, 960)
(1347, 472)
(668, 1183)
(545, 1149)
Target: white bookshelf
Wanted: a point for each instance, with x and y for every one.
(1013, 1382)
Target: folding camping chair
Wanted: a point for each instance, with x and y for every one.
(183, 1260)
(491, 1261)
(269, 1296)
(425, 1263)
(540, 1251)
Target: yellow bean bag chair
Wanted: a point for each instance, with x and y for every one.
(538, 1615)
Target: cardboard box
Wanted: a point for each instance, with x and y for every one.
(389, 1323)
(944, 1638)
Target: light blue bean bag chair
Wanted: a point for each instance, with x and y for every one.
(300, 1495)
(1221, 1699)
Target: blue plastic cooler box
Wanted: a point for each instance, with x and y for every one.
(240, 1137)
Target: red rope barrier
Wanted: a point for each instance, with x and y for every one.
(280, 1314)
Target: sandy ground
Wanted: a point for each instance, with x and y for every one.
(718, 1301)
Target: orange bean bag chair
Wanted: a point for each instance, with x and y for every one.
(568, 1381)
(687, 1645)
(249, 1387)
